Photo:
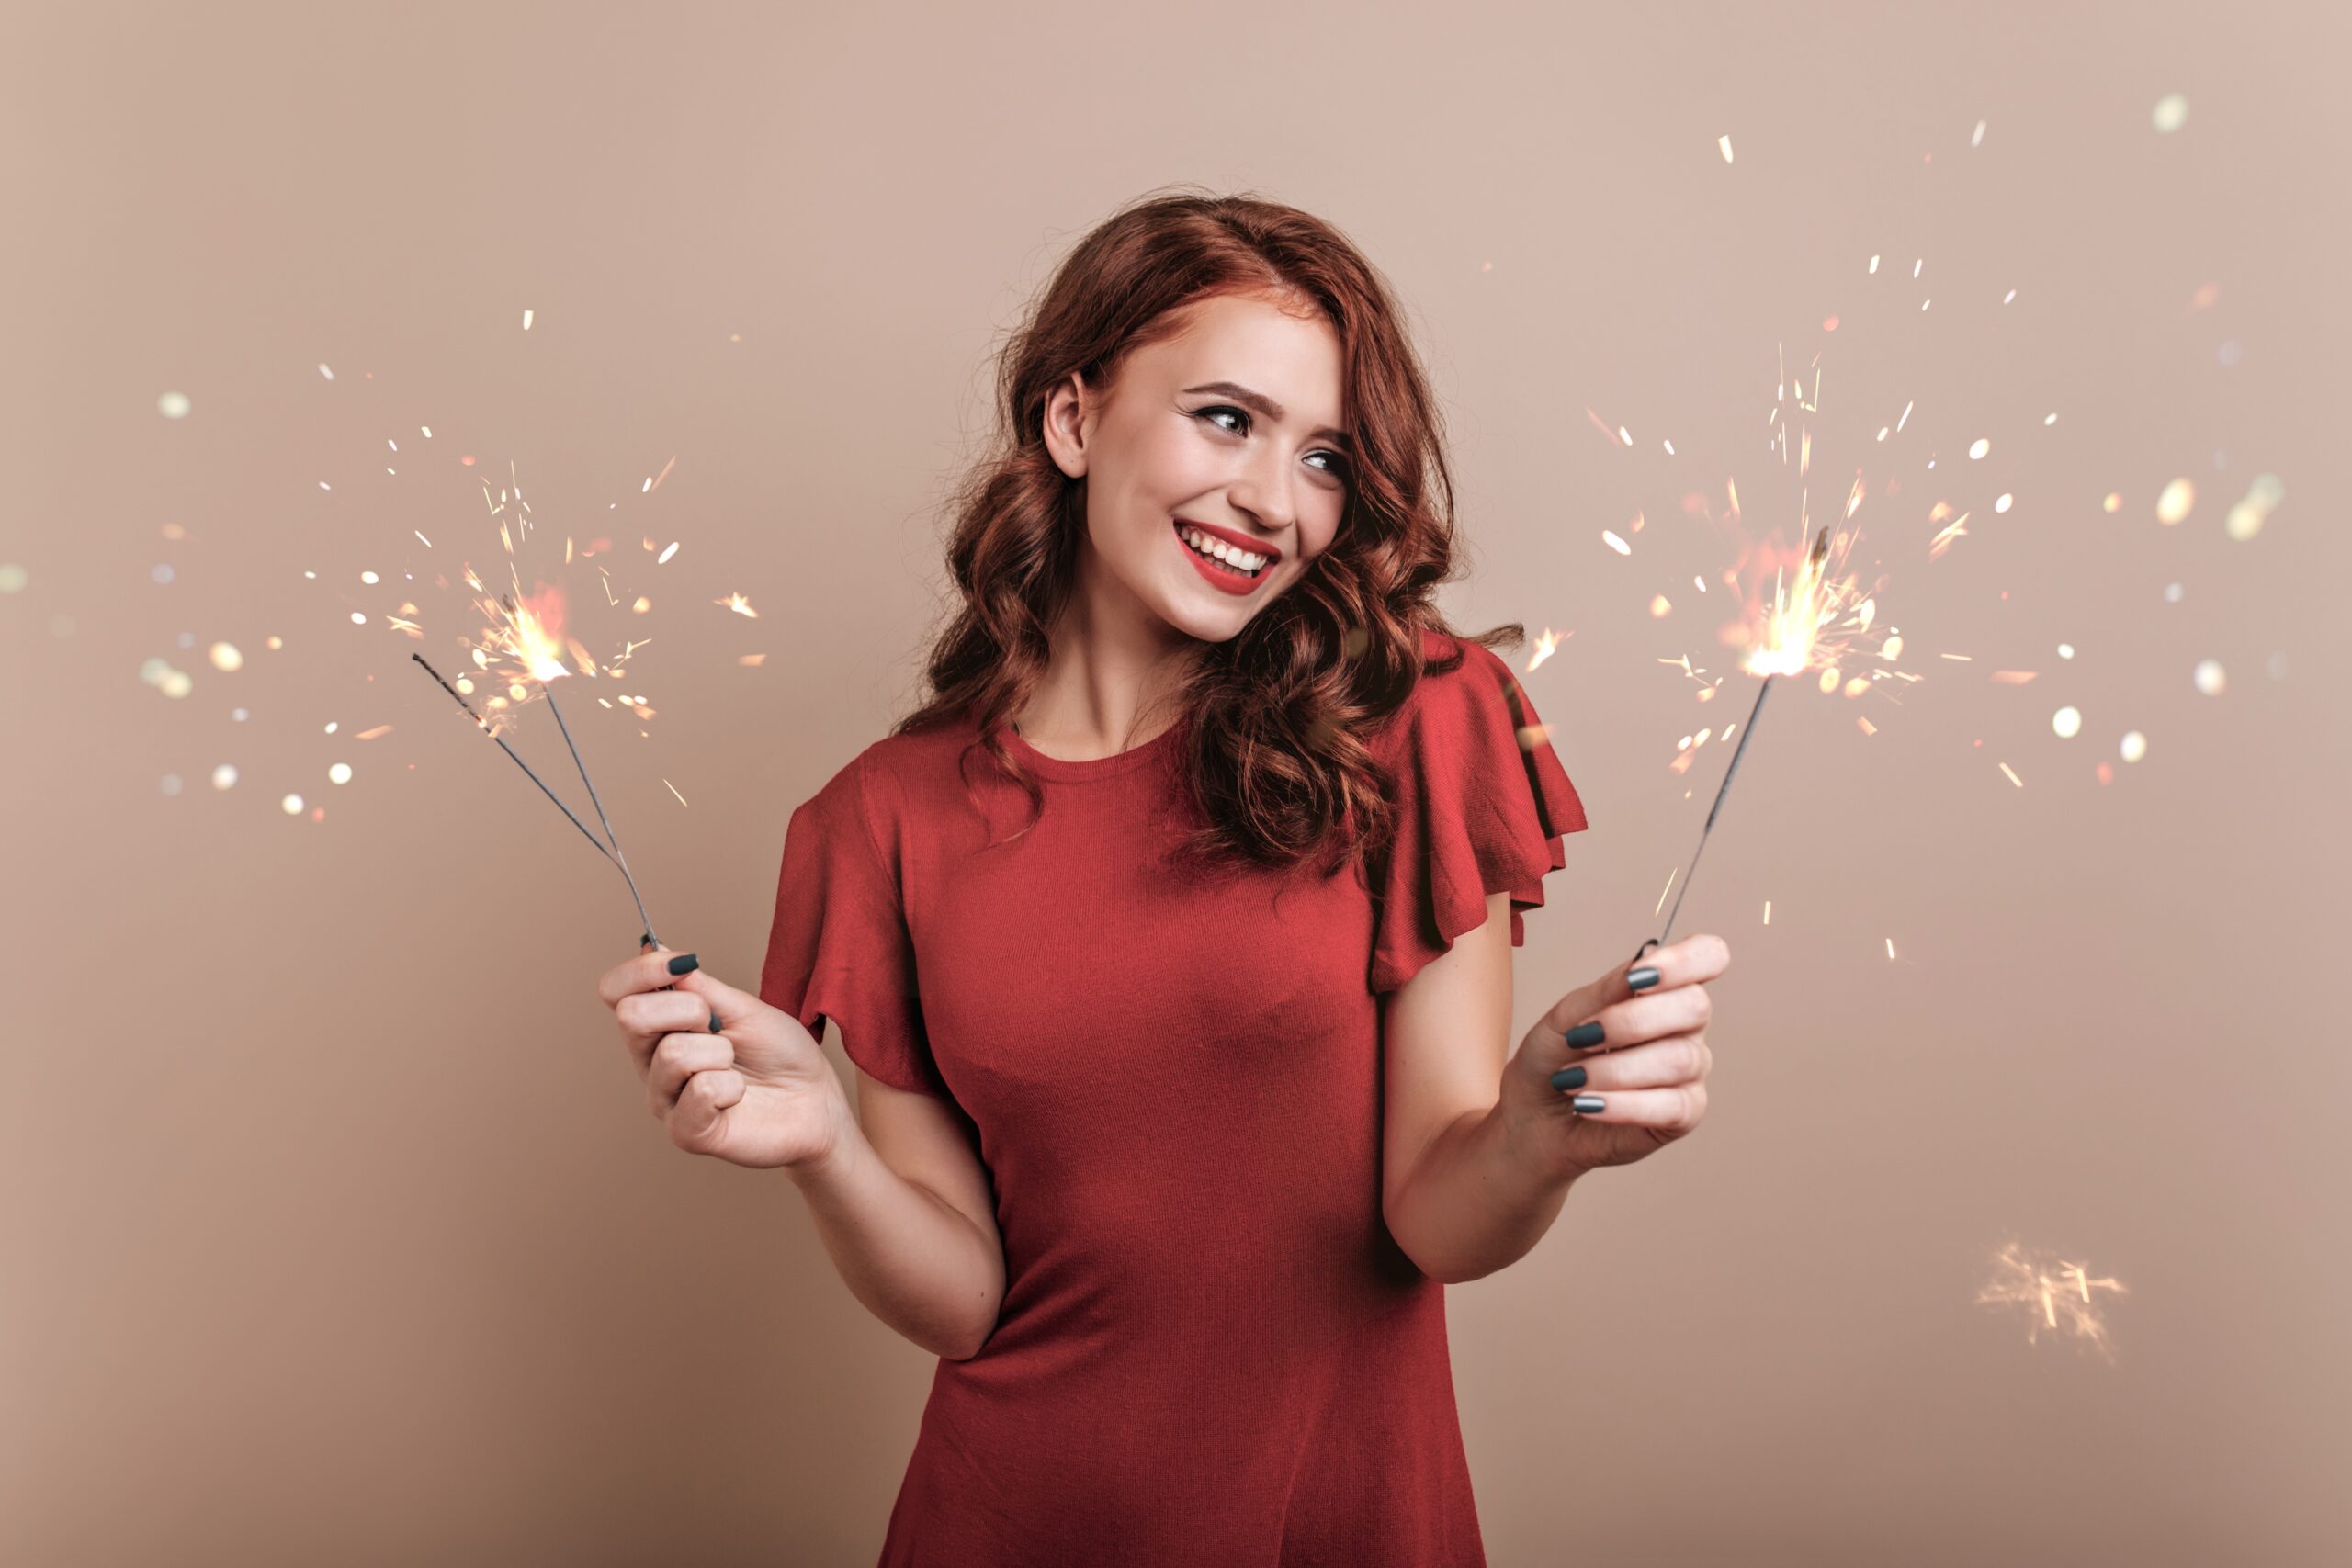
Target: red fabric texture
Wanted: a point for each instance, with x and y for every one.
(1210, 1349)
(1482, 806)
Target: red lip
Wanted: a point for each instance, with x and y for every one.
(1218, 577)
(1238, 540)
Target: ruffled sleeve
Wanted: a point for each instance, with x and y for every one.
(839, 947)
(1482, 806)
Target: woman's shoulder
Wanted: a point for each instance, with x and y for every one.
(1475, 656)
(1474, 680)
(895, 777)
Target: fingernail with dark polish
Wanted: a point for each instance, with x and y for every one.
(683, 963)
(645, 940)
(714, 1023)
(1585, 1036)
(1641, 978)
(1568, 1077)
(1589, 1103)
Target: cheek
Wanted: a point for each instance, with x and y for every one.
(1317, 531)
(1173, 467)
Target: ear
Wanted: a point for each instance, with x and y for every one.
(1068, 412)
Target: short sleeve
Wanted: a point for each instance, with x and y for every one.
(839, 947)
(1482, 804)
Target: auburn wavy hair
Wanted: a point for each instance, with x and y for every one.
(1279, 713)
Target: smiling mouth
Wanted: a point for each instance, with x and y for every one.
(1214, 561)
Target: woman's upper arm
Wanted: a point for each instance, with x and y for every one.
(921, 1137)
(1447, 1035)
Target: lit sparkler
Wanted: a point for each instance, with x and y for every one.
(524, 644)
(1815, 623)
(612, 855)
(1807, 627)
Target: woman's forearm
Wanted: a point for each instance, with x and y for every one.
(908, 1255)
(1476, 1201)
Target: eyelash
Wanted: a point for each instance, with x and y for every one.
(1338, 472)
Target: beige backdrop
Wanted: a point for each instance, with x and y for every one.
(335, 1226)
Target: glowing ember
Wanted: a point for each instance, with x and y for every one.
(1816, 621)
(1545, 645)
(2056, 1295)
(2247, 517)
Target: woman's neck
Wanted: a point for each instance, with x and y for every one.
(1095, 702)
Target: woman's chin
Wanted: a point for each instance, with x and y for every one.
(1201, 629)
(1208, 625)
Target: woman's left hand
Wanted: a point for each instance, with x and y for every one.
(1647, 1061)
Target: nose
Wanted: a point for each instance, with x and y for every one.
(1267, 499)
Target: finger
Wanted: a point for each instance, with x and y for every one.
(676, 1059)
(1701, 955)
(646, 1015)
(1583, 1020)
(1578, 1006)
(724, 1003)
(1672, 1109)
(680, 964)
(702, 1105)
(1656, 1063)
(652, 970)
(1663, 968)
(1683, 1010)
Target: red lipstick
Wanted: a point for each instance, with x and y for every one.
(1235, 537)
(1226, 578)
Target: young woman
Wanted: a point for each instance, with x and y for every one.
(1170, 940)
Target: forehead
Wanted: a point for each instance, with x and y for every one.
(1288, 351)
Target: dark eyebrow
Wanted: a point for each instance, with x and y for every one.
(1264, 405)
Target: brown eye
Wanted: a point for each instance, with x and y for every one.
(1243, 415)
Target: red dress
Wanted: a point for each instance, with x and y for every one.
(1210, 1350)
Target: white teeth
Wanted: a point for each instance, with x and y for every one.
(1210, 545)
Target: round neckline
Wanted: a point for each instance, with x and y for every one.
(1071, 771)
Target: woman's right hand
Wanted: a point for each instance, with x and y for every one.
(728, 1075)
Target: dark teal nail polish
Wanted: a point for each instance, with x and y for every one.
(1589, 1103)
(683, 963)
(714, 1023)
(1641, 978)
(1585, 1036)
(1568, 1077)
(645, 940)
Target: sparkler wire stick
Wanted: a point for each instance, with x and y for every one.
(542, 783)
(618, 859)
(1720, 790)
(1810, 585)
